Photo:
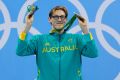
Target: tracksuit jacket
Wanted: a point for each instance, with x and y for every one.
(58, 56)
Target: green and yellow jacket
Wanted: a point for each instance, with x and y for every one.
(58, 56)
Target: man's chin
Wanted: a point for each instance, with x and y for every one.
(59, 29)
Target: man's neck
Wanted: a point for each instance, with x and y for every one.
(57, 31)
(61, 31)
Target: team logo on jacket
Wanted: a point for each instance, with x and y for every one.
(70, 40)
(59, 49)
(47, 44)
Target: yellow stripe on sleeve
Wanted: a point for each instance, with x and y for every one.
(22, 36)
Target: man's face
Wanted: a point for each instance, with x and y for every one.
(58, 20)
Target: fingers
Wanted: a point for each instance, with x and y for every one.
(79, 17)
(82, 21)
(29, 20)
(30, 15)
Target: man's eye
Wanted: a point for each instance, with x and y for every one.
(57, 17)
(62, 17)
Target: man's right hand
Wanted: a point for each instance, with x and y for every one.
(28, 22)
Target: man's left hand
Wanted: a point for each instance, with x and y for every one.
(83, 24)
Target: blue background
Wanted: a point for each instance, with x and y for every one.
(104, 67)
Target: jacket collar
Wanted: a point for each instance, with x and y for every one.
(53, 31)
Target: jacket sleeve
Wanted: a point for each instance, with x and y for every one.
(87, 46)
(27, 47)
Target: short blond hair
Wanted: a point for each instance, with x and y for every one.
(58, 8)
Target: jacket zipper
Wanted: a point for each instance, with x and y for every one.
(59, 59)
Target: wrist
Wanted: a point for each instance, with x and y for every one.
(27, 28)
(85, 30)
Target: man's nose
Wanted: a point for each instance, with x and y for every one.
(59, 19)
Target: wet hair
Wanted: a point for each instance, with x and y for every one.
(58, 8)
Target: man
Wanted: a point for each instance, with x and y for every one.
(58, 54)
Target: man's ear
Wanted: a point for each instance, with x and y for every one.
(65, 20)
(49, 20)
